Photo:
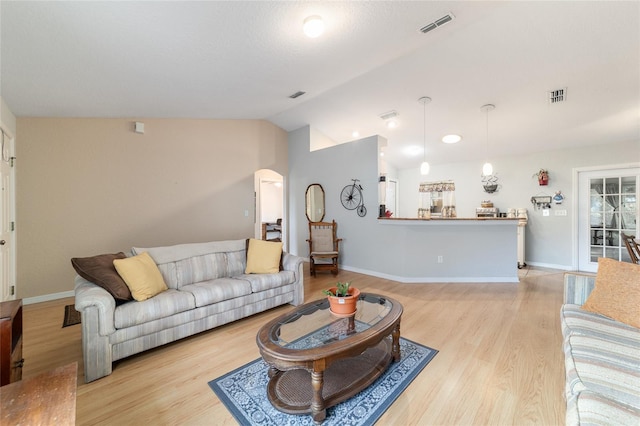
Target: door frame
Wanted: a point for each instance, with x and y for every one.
(264, 175)
(6, 231)
(575, 204)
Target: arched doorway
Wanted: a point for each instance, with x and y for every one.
(270, 206)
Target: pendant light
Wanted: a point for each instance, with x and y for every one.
(424, 167)
(487, 168)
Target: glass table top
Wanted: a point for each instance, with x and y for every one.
(313, 325)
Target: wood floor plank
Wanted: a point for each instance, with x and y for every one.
(500, 359)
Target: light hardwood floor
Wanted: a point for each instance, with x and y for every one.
(500, 359)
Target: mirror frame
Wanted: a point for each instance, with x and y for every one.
(306, 202)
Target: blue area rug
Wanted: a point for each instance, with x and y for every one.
(244, 392)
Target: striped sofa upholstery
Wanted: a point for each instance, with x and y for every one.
(602, 361)
(207, 288)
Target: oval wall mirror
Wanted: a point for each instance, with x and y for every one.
(314, 203)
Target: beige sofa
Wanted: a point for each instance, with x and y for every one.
(207, 287)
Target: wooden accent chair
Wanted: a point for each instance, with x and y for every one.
(632, 247)
(323, 247)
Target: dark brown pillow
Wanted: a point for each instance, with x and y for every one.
(100, 270)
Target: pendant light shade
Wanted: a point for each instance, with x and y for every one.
(424, 167)
(487, 168)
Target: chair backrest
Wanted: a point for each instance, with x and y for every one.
(322, 236)
(632, 247)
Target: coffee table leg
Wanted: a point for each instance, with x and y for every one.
(272, 372)
(317, 404)
(395, 345)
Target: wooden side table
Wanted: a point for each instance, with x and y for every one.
(10, 341)
(46, 399)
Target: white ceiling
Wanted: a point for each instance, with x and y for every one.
(239, 59)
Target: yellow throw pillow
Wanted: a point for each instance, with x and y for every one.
(142, 276)
(617, 292)
(263, 257)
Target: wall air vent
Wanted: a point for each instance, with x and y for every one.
(558, 95)
(438, 22)
(297, 94)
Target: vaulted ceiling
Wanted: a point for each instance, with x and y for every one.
(240, 59)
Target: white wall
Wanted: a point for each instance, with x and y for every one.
(548, 239)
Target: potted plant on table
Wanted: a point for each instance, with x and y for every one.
(342, 299)
(543, 177)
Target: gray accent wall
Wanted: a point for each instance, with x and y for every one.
(381, 250)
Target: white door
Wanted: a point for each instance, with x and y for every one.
(607, 205)
(7, 221)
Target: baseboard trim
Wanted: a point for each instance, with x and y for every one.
(47, 297)
(413, 280)
(550, 266)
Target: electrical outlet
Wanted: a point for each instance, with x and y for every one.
(440, 260)
(545, 212)
(246, 213)
(560, 212)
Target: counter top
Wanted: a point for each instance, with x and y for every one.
(449, 221)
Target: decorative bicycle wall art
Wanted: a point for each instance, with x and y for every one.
(352, 199)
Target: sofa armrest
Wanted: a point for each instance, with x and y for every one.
(88, 294)
(577, 287)
(294, 263)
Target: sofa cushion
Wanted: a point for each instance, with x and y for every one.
(141, 275)
(163, 305)
(263, 257)
(604, 366)
(575, 320)
(261, 282)
(213, 291)
(589, 408)
(168, 257)
(236, 262)
(617, 292)
(100, 270)
(201, 268)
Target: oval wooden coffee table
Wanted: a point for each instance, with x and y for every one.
(318, 360)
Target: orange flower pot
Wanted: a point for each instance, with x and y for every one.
(344, 306)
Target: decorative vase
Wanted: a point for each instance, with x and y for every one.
(343, 306)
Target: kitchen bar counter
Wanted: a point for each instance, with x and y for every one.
(448, 221)
(446, 249)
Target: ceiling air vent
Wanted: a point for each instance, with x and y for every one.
(558, 95)
(297, 94)
(438, 22)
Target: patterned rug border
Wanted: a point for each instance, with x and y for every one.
(258, 365)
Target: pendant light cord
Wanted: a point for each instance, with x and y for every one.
(424, 131)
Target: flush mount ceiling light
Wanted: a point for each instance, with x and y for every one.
(424, 167)
(390, 119)
(451, 138)
(313, 26)
(355, 134)
(487, 168)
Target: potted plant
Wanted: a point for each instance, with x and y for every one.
(543, 177)
(342, 299)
